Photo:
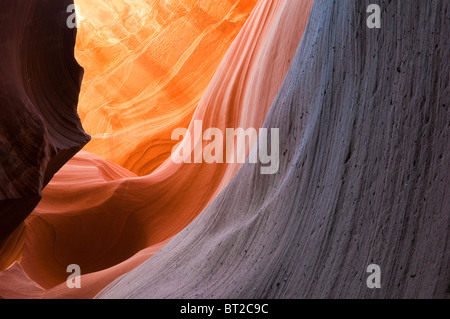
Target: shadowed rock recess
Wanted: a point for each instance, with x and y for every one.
(364, 174)
(364, 168)
(39, 86)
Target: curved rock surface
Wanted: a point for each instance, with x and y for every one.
(364, 178)
(108, 220)
(39, 126)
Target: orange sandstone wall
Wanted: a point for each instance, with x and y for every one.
(147, 63)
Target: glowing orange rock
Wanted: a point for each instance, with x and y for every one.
(147, 64)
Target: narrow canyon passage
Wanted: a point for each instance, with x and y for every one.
(361, 115)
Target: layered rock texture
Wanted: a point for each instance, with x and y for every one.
(364, 124)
